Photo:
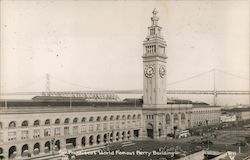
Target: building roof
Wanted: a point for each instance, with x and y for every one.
(237, 110)
(67, 109)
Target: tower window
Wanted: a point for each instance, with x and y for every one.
(152, 31)
(161, 50)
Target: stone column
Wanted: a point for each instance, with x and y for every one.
(120, 136)
(78, 142)
(144, 127)
(63, 144)
(172, 123)
(41, 147)
(5, 151)
(132, 134)
(94, 140)
(86, 141)
(179, 121)
(190, 119)
(156, 131)
(18, 152)
(139, 133)
(164, 131)
(101, 139)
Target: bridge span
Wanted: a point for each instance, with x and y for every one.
(61, 93)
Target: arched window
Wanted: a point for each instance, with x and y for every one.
(168, 119)
(129, 134)
(12, 151)
(98, 118)
(105, 118)
(36, 148)
(123, 117)
(66, 121)
(111, 118)
(12, 124)
(47, 122)
(83, 141)
(47, 147)
(91, 140)
(129, 116)
(57, 121)
(83, 119)
(98, 139)
(176, 119)
(75, 120)
(25, 149)
(183, 118)
(24, 124)
(36, 123)
(134, 116)
(91, 119)
(57, 145)
(117, 117)
(138, 116)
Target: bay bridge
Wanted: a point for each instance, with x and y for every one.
(112, 95)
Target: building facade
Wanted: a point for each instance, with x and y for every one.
(41, 131)
(241, 114)
(204, 115)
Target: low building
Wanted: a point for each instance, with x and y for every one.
(42, 131)
(240, 113)
(203, 115)
(228, 118)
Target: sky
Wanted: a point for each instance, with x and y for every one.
(97, 45)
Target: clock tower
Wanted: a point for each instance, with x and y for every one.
(154, 66)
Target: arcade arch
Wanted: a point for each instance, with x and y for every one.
(12, 151)
(12, 124)
(91, 140)
(25, 150)
(25, 124)
(36, 148)
(168, 119)
(150, 130)
(84, 141)
(98, 139)
(57, 145)
(183, 118)
(47, 147)
(176, 119)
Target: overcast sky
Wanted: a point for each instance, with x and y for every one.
(98, 44)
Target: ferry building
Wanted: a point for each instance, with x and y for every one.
(33, 132)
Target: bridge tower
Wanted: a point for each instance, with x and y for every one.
(154, 66)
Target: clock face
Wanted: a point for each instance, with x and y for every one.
(162, 71)
(149, 71)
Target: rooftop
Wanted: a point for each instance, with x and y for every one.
(43, 109)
